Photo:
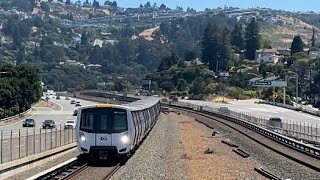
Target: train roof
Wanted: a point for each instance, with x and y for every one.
(134, 106)
(143, 103)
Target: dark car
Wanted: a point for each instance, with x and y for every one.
(29, 123)
(58, 97)
(78, 104)
(75, 112)
(72, 101)
(48, 124)
(67, 98)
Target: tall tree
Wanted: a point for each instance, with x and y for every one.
(147, 5)
(162, 7)
(313, 39)
(237, 37)
(68, 2)
(296, 45)
(114, 4)
(211, 47)
(95, 4)
(252, 38)
(224, 50)
(84, 38)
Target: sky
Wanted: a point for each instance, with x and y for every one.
(290, 5)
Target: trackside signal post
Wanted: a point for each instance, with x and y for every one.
(273, 84)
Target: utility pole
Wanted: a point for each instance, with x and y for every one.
(297, 88)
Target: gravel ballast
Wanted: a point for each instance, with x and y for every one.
(263, 156)
(159, 155)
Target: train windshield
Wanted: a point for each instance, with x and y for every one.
(102, 120)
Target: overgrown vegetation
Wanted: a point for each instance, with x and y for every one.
(20, 87)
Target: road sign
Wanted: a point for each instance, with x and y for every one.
(262, 83)
(146, 82)
(270, 83)
(275, 95)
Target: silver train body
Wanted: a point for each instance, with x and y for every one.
(105, 130)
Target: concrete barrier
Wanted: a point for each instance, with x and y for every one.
(17, 166)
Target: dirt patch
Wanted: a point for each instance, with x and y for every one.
(148, 33)
(220, 163)
(43, 104)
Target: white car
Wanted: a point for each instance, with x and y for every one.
(70, 124)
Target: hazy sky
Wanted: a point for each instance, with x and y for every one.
(292, 5)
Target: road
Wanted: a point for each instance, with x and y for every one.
(263, 110)
(61, 111)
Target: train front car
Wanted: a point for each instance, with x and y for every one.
(102, 131)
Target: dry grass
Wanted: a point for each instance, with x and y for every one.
(148, 33)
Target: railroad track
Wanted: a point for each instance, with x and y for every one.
(300, 155)
(77, 169)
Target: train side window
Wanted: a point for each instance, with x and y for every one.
(134, 118)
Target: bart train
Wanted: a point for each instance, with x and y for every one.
(106, 130)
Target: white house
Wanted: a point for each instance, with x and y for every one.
(268, 58)
(314, 54)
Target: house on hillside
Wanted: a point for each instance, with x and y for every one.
(314, 54)
(268, 58)
(263, 52)
(284, 51)
(196, 62)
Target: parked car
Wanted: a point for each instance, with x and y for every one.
(78, 104)
(70, 124)
(67, 98)
(29, 123)
(75, 112)
(48, 124)
(73, 102)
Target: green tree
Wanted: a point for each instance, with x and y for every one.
(296, 45)
(190, 55)
(147, 5)
(114, 4)
(237, 37)
(225, 50)
(313, 39)
(163, 7)
(68, 2)
(266, 43)
(95, 4)
(198, 86)
(210, 46)
(84, 39)
(45, 7)
(252, 39)
(167, 62)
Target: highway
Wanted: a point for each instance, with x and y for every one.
(61, 111)
(263, 110)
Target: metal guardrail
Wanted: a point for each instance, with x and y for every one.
(297, 145)
(299, 108)
(16, 116)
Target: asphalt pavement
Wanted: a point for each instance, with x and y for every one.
(60, 112)
(263, 110)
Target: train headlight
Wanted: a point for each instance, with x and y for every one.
(82, 136)
(125, 139)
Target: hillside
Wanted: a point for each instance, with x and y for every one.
(284, 28)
